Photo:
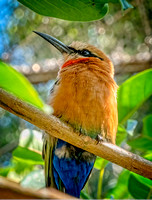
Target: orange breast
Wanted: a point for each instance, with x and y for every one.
(86, 98)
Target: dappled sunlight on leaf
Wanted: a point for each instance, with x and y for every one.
(14, 82)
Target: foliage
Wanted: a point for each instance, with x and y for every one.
(120, 191)
(9, 123)
(26, 161)
(77, 10)
(134, 91)
(115, 34)
(14, 82)
(140, 187)
(143, 141)
(26, 155)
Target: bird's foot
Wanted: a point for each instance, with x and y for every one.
(81, 132)
(100, 139)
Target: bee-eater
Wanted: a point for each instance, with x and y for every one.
(84, 97)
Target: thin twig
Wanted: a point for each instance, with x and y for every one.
(56, 128)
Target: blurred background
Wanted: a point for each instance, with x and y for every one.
(127, 39)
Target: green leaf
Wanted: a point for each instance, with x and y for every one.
(148, 156)
(19, 169)
(133, 93)
(100, 163)
(121, 134)
(15, 83)
(85, 195)
(144, 141)
(77, 10)
(147, 125)
(4, 171)
(141, 143)
(120, 191)
(28, 156)
(140, 187)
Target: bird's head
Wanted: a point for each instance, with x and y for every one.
(80, 52)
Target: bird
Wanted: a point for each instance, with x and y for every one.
(84, 97)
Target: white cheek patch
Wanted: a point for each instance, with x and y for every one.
(62, 152)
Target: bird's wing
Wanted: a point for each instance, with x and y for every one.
(47, 153)
(54, 85)
(49, 144)
(70, 171)
(52, 179)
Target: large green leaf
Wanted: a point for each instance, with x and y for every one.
(141, 143)
(77, 10)
(144, 141)
(14, 82)
(28, 156)
(22, 163)
(147, 125)
(148, 156)
(132, 93)
(20, 168)
(140, 187)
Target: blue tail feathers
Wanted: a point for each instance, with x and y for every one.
(70, 167)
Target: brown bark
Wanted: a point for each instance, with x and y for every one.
(133, 67)
(42, 76)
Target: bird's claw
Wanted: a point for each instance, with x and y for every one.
(100, 139)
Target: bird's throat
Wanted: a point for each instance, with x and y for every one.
(75, 61)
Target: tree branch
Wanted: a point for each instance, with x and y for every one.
(122, 68)
(56, 128)
(12, 190)
(42, 77)
(133, 66)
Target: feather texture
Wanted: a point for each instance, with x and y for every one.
(84, 97)
(73, 170)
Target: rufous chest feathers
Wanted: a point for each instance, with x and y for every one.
(85, 97)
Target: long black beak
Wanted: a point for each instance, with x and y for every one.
(56, 43)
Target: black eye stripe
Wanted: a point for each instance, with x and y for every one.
(85, 53)
(74, 50)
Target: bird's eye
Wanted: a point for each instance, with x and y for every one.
(85, 52)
